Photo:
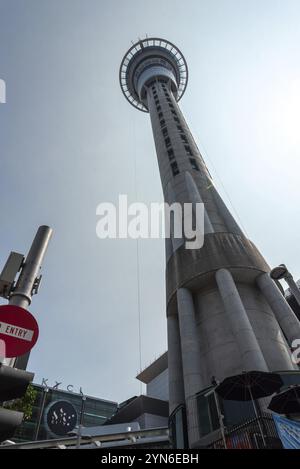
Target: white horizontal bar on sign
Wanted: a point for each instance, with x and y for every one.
(16, 331)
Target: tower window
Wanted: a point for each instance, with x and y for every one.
(183, 138)
(160, 115)
(188, 150)
(175, 169)
(194, 164)
(158, 108)
(156, 101)
(165, 131)
(180, 128)
(171, 154)
(168, 142)
(173, 112)
(171, 105)
(176, 119)
(162, 122)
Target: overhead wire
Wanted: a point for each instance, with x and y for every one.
(137, 260)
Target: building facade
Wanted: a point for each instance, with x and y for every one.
(225, 315)
(46, 408)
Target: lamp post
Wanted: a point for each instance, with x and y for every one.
(79, 431)
(281, 272)
(44, 395)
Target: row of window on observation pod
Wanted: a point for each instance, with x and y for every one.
(2, 91)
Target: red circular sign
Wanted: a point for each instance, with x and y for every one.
(19, 331)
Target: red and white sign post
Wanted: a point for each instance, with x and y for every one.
(18, 331)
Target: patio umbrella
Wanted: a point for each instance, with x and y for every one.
(249, 386)
(286, 402)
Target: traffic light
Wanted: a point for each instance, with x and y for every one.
(13, 385)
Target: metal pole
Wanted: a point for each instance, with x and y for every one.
(45, 390)
(80, 421)
(22, 294)
(220, 416)
(258, 416)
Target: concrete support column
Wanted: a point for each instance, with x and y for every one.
(293, 287)
(251, 354)
(176, 387)
(284, 314)
(190, 360)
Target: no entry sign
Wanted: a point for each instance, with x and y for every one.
(18, 331)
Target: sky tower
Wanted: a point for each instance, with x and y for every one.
(225, 314)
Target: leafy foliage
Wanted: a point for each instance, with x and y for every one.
(24, 404)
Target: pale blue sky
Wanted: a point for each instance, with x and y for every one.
(68, 142)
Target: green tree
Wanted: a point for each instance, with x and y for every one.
(24, 404)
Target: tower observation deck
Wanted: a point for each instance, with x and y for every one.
(225, 315)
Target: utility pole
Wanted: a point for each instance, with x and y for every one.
(13, 379)
(79, 431)
(44, 395)
(28, 281)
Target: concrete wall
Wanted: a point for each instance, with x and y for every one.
(159, 386)
(147, 421)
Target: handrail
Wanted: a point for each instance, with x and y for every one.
(131, 436)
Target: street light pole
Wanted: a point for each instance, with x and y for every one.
(28, 282)
(83, 399)
(45, 391)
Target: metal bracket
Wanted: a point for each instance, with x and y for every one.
(36, 285)
(12, 266)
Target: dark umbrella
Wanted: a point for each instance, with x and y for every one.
(249, 386)
(286, 402)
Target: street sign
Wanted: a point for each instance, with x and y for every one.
(18, 331)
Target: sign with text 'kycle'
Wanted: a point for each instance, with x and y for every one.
(18, 331)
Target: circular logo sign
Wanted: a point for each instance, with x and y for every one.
(61, 417)
(18, 331)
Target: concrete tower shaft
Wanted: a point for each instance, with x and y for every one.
(225, 314)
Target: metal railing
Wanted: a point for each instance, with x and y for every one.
(153, 437)
(248, 435)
